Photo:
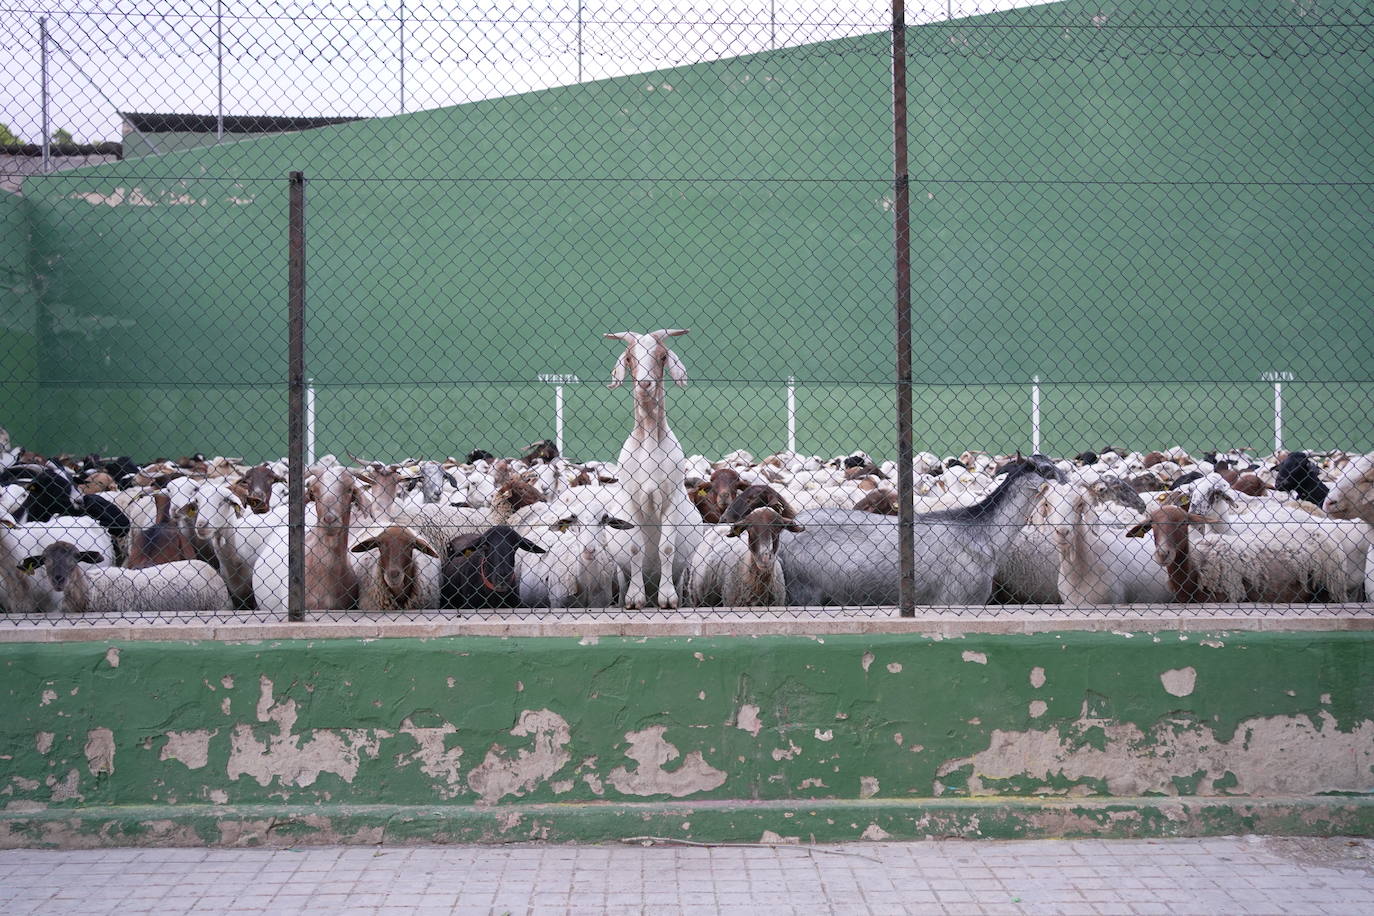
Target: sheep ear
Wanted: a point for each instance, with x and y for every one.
(9, 523)
(676, 371)
(29, 564)
(735, 530)
(532, 547)
(365, 545)
(88, 556)
(793, 526)
(618, 373)
(611, 521)
(1139, 530)
(424, 546)
(563, 524)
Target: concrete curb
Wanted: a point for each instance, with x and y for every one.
(781, 823)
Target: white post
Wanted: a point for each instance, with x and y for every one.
(558, 417)
(792, 414)
(309, 422)
(1035, 415)
(1278, 417)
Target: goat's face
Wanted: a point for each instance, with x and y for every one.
(255, 488)
(59, 560)
(646, 360)
(763, 528)
(335, 491)
(1061, 508)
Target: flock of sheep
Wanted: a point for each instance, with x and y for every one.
(658, 527)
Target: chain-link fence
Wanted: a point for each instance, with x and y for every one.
(403, 247)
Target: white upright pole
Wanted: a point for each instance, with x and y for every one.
(1278, 417)
(558, 417)
(1035, 415)
(309, 422)
(792, 414)
(43, 90)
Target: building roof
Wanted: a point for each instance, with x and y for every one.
(233, 124)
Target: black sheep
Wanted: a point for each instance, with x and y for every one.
(1299, 474)
(479, 569)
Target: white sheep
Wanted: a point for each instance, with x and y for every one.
(32, 538)
(578, 567)
(168, 588)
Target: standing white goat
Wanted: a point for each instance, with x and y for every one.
(651, 468)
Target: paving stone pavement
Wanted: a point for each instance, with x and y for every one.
(1229, 875)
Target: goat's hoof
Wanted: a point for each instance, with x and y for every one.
(667, 602)
(634, 602)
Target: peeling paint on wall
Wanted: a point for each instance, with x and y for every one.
(285, 757)
(748, 719)
(1179, 681)
(100, 751)
(43, 742)
(189, 747)
(1265, 757)
(444, 764)
(1037, 677)
(978, 658)
(650, 751)
(112, 656)
(498, 776)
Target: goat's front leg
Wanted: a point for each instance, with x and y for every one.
(667, 591)
(634, 588)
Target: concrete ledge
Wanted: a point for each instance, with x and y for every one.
(955, 621)
(783, 823)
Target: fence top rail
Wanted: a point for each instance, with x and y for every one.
(942, 622)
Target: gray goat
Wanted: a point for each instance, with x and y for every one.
(849, 557)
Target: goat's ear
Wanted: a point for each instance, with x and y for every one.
(9, 523)
(618, 373)
(611, 521)
(88, 556)
(1211, 518)
(735, 530)
(563, 524)
(29, 564)
(365, 545)
(424, 546)
(675, 369)
(794, 526)
(666, 332)
(1139, 530)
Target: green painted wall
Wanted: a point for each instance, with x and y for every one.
(18, 323)
(1147, 217)
(209, 731)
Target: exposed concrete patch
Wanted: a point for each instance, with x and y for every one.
(218, 796)
(47, 697)
(874, 833)
(190, 747)
(866, 661)
(1037, 708)
(978, 658)
(827, 735)
(498, 776)
(771, 838)
(1179, 681)
(283, 756)
(435, 760)
(868, 786)
(1273, 756)
(650, 751)
(100, 751)
(1037, 677)
(65, 789)
(112, 656)
(894, 668)
(226, 706)
(791, 751)
(43, 741)
(227, 682)
(748, 719)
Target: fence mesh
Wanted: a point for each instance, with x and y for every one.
(1140, 276)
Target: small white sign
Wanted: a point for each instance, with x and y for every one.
(558, 378)
(1276, 376)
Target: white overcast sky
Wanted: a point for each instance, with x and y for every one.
(283, 57)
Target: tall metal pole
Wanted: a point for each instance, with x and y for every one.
(43, 59)
(219, 70)
(295, 424)
(403, 56)
(906, 492)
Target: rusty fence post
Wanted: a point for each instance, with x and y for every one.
(296, 401)
(906, 510)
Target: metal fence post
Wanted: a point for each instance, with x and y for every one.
(906, 509)
(43, 58)
(296, 401)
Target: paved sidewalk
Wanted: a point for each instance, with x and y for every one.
(1231, 875)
